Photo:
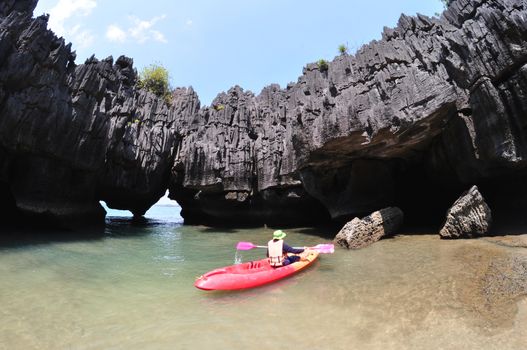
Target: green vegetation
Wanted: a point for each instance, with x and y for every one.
(322, 65)
(219, 107)
(134, 121)
(343, 49)
(155, 78)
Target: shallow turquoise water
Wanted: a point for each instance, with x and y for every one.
(132, 288)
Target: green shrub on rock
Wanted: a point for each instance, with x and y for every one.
(155, 78)
(322, 65)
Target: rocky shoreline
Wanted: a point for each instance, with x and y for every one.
(410, 121)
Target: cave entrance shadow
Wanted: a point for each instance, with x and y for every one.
(328, 231)
(394, 226)
(413, 229)
(12, 236)
(19, 237)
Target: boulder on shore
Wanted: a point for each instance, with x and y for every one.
(360, 233)
(470, 216)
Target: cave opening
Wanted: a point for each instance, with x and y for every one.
(165, 209)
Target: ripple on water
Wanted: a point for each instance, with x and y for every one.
(136, 291)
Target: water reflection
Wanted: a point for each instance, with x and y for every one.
(133, 289)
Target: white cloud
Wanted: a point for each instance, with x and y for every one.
(116, 34)
(142, 30)
(65, 9)
(189, 23)
(83, 38)
(158, 36)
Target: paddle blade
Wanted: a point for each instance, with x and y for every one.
(245, 246)
(325, 248)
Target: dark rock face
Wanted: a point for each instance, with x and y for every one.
(129, 139)
(34, 109)
(436, 105)
(470, 216)
(24, 6)
(233, 165)
(73, 135)
(360, 233)
(434, 96)
(410, 119)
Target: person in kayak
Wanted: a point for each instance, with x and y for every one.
(277, 251)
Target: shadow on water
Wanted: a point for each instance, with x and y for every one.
(115, 227)
(122, 227)
(209, 229)
(326, 231)
(17, 237)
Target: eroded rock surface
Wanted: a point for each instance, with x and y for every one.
(233, 164)
(73, 135)
(360, 233)
(24, 6)
(470, 216)
(408, 121)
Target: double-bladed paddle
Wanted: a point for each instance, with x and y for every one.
(327, 248)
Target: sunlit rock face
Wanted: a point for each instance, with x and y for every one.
(441, 97)
(129, 134)
(73, 135)
(469, 216)
(360, 233)
(234, 166)
(411, 120)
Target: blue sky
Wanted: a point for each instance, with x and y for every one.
(213, 45)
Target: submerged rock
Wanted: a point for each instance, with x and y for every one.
(470, 216)
(490, 284)
(360, 233)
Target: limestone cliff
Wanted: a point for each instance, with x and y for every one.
(73, 135)
(233, 165)
(411, 120)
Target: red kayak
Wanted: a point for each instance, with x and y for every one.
(250, 274)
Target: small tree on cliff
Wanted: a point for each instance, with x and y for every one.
(322, 65)
(155, 78)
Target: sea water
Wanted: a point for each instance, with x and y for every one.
(132, 288)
